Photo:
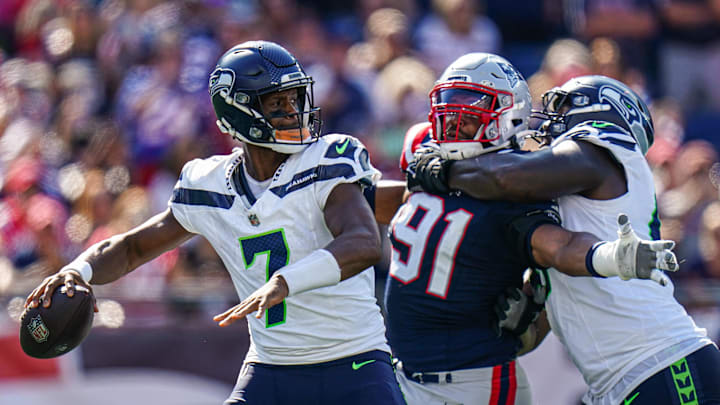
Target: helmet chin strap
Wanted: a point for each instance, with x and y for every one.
(514, 142)
(292, 134)
(505, 145)
(458, 154)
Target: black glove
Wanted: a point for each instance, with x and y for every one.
(516, 311)
(430, 171)
(412, 183)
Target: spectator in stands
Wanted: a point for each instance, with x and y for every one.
(690, 52)
(457, 22)
(632, 24)
(685, 203)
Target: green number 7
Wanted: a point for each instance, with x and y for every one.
(274, 246)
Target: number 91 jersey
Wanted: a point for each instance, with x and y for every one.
(452, 256)
(257, 236)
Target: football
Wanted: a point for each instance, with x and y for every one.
(51, 332)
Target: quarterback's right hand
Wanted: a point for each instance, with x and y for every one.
(67, 277)
(631, 257)
(273, 292)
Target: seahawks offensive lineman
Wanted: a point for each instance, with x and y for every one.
(632, 341)
(453, 254)
(287, 216)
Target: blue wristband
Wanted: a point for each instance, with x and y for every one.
(589, 260)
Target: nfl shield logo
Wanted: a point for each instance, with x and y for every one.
(254, 220)
(38, 330)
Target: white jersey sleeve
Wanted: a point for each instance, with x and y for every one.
(343, 159)
(198, 190)
(617, 332)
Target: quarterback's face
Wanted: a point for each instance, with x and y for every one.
(282, 108)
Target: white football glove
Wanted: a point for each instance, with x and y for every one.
(631, 257)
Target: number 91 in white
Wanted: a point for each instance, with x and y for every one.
(411, 229)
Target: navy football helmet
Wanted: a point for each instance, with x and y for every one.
(250, 70)
(597, 98)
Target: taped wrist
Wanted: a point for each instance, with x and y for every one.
(600, 260)
(82, 267)
(316, 270)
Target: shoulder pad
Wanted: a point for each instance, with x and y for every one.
(601, 134)
(340, 146)
(206, 173)
(417, 135)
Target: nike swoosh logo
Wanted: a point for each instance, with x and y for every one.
(341, 149)
(600, 124)
(356, 366)
(628, 401)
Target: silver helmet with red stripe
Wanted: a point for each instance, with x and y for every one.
(480, 104)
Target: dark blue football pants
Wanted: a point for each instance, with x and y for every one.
(367, 378)
(693, 380)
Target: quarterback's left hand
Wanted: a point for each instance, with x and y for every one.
(273, 292)
(631, 257)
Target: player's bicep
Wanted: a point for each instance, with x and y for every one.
(155, 236)
(545, 243)
(346, 210)
(575, 167)
(357, 243)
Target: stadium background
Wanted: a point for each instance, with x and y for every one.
(102, 101)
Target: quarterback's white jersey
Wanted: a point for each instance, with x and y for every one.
(255, 237)
(617, 332)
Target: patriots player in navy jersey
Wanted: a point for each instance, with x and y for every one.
(276, 212)
(454, 254)
(632, 342)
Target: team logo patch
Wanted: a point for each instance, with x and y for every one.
(513, 75)
(254, 220)
(38, 330)
(221, 79)
(628, 110)
(620, 102)
(342, 148)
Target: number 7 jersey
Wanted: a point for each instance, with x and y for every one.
(257, 236)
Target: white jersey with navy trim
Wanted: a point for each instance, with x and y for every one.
(257, 236)
(617, 332)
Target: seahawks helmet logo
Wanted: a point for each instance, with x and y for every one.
(221, 79)
(622, 103)
(628, 109)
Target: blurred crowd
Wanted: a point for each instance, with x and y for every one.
(103, 101)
